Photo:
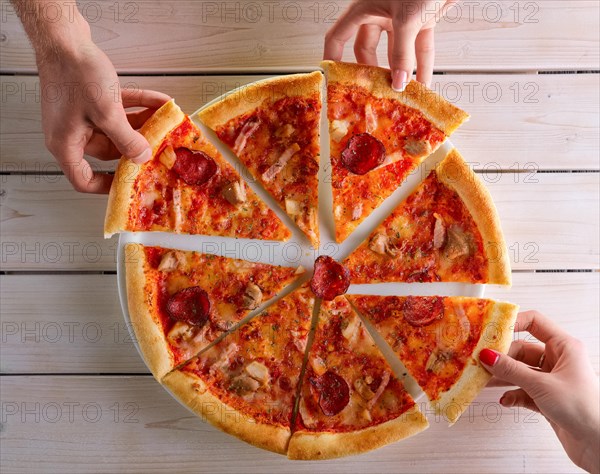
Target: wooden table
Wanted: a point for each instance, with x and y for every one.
(75, 394)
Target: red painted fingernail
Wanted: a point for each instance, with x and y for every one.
(489, 357)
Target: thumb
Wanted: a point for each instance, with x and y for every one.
(508, 369)
(130, 143)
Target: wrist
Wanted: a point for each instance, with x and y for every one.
(55, 31)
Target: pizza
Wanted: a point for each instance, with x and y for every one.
(273, 128)
(187, 187)
(446, 230)
(378, 136)
(438, 340)
(246, 383)
(282, 356)
(351, 401)
(180, 301)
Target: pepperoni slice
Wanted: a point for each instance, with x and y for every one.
(334, 393)
(363, 153)
(194, 167)
(330, 279)
(421, 311)
(190, 305)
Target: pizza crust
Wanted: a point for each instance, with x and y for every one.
(148, 331)
(378, 81)
(193, 393)
(327, 445)
(500, 321)
(246, 99)
(454, 172)
(120, 197)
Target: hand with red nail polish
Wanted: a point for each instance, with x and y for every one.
(409, 25)
(557, 380)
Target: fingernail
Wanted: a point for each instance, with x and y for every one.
(142, 157)
(399, 80)
(489, 357)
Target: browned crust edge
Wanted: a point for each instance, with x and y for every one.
(327, 445)
(148, 331)
(155, 129)
(193, 393)
(499, 323)
(454, 172)
(247, 98)
(436, 109)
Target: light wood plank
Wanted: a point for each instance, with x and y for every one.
(517, 121)
(550, 222)
(73, 323)
(130, 424)
(64, 324)
(46, 225)
(187, 35)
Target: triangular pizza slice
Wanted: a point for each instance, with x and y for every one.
(181, 301)
(246, 383)
(378, 136)
(438, 339)
(187, 188)
(351, 401)
(273, 127)
(446, 230)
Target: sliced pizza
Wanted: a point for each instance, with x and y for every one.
(273, 128)
(187, 187)
(446, 230)
(378, 136)
(351, 401)
(246, 383)
(181, 301)
(438, 339)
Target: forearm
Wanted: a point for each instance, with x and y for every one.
(55, 28)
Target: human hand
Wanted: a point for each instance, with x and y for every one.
(557, 380)
(89, 114)
(409, 25)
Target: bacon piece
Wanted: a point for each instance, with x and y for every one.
(439, 232)
(330, 278)
(385, 379)
(334, 393)
(194, 167)
(168, 157)
(422, 310)
(248, 129)
(363, 153)
(276, 167)
(190, 305)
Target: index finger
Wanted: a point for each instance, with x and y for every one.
(143, 98)
(343, 29)
(78, 171)
(539, 326)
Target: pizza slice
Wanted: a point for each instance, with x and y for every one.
(187, 188)
(438, 339)
(446, 230)
(246, 383)
(273, 128)
(351, 401)
(181, 301)
(378, 136)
